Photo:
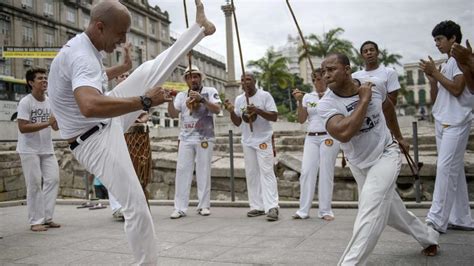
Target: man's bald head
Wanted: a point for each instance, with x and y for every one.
(108, 11)
(110, 22)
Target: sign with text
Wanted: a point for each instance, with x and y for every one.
(30, 52)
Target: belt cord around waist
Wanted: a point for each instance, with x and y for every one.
(86, 135)
(317, 133)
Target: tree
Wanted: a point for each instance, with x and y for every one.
(271, 70)
(387, 58)
(272, 74)
(321, 46)
(357, 60)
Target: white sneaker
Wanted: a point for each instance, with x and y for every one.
(204, 212)
(177, 214)
(118, 214)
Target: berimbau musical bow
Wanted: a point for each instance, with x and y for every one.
(241, 58)
(305, 47)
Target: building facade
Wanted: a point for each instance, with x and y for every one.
(418, 87)
(51, 23)
(302, 68)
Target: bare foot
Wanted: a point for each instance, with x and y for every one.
(201, 19)
(328, 218)
(38, 228)
(430, 251)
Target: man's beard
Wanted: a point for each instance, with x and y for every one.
(196, 87)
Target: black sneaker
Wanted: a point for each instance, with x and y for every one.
(272, 215)
(255, 213)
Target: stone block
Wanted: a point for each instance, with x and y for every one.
(168, 177)
(290, 161)
(79, 182)
(11, 171)
(9, 195)
(221, 167)
(171, 192)
(220, 195)
(14, 182)
(164, 160)
(73, 193)
(296, 190)
(21, 193)
(223, 183)
(10, 164)
(241, 196)
(2, 186)
(158, 191)
(285, 188)
(8, 156)
(290, 175)
(344, 191)
(66, 177)
(157, 176)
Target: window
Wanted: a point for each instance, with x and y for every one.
(85, 20)
(49, 38)
(5, 67)
(175, 123)
(48, 8)
(163, 32)
(47, 63)
(410, 77)
(3, 90)
(27, 32)
(410, 97)
(5, 30)
(118, 54)
(137, 20)
(71, 15)
(167, 123)
(152, 28)
(421, 77)
(27, 3)
(422, 97)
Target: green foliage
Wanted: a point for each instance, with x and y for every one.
(321, 46)
(387, 58)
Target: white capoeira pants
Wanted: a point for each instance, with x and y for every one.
(191, 155)
(450, 198)
(114, 204)
(262, 184)
(379, 205)
(105, 153)
(317, 155)
(40, 200)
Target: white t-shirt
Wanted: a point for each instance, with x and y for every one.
(262, 128)
(365, 148)
(39, 142)
(78, 64)
(449, 109)
(388, 75)
(310, 102)
(199, 125)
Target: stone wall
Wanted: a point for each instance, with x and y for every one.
(72, 174)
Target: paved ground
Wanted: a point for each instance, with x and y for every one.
(227, 237)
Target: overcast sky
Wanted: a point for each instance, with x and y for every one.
(400, 26)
